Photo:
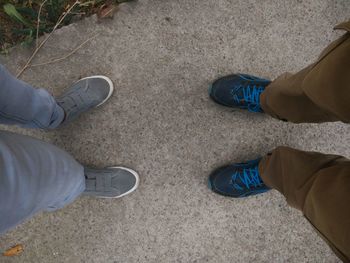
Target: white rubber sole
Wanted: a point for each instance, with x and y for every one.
(111, 86)
(134, 173)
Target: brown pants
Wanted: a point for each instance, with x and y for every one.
(315, 183)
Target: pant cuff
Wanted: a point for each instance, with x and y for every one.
(57, 117)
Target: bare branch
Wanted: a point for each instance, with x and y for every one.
(62, 17)
(66, 56)
(38, 23)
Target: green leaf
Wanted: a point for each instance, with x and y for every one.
(28, 40)
(13, 13)
(30, 12)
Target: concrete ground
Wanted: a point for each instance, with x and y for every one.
(161, 56)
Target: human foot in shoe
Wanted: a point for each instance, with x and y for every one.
(112, 182)
(84, 95)
(239, 91)
(238, 180)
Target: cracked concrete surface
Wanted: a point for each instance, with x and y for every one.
(161, 56)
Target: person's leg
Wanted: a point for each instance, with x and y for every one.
(36, 176)
(24, 105)
(318, 93)
(319, 186)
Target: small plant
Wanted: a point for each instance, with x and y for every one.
(19, 19)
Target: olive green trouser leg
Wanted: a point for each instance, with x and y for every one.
(318, 93)
(319, 186)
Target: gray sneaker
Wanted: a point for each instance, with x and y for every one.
(112, 182)
(84, 95)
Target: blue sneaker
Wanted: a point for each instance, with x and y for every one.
(238, 180)
(239, 91)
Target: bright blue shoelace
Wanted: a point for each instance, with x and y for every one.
(248, 177)
(249, 95)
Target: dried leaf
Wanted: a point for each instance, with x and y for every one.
(107, 10)
(14, 251)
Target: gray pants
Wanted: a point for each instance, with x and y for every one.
(34, 176)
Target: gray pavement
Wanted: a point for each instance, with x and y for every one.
(161, 56)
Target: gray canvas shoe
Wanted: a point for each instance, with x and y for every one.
(83, 95)
(112, 182)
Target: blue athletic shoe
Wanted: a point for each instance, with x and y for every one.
(238, 180)
(239, 91)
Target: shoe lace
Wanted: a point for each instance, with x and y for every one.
(249, 177)
(250, 95)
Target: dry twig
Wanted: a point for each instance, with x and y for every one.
(38, 23)
(62, 17)
(66, 56)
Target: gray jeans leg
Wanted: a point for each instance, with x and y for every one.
(34, 176)
(26, 106)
